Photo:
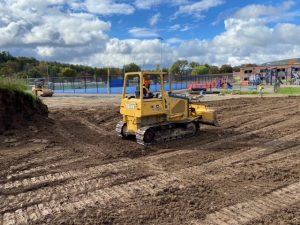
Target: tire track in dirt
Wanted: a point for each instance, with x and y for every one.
(148, 186)
(94, 170)
(283, 160)
(245, 212)
(244, 118)
(94, 184)
(63, 162)
(94, 127)
(178, 176)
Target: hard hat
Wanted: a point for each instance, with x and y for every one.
(147, 82)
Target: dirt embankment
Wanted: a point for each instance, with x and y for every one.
(18, 108)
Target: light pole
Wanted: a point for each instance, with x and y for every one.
(161, 45)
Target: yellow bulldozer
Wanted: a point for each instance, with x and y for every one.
(40, 89)
(154, 116)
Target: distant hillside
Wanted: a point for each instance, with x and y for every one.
(282, 62)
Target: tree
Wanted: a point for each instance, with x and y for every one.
(68, 72)
(101, 72)
(237, 69)
(249, 65)
(34, 73)
(200, 70)
(6, 56)
(132, 67)
(226, 69)
(194, 64)
(179, 67)
(6, 71)
(213, 70)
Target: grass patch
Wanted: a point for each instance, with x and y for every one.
(239, 92)
(289, 90)
(13, 84)
(18, 86)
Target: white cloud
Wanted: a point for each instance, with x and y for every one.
(244, 42)
(45, 51)
(148, 4)
(108, 7)
(154, 19)
(269, 13)
(48, 30)
(142, 32)
(196, 9)
(174, 41)
(180, 27)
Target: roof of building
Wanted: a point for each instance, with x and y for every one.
(283, 62)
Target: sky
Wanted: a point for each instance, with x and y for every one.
(113, 33)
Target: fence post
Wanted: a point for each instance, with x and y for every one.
(84, 84)
(63, 85)
(97, 85)
(74, 84)
(108, 81)
(53, 84)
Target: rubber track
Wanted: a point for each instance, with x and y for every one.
(245, 212)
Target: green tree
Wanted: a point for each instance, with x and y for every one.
(213, 70)
(194, 64)
(6, 56)
(6, 71)
(200, 70)
(226, 69)
(34, 73)
(179, 67)
(249, 65)
(237, 69)
(68, 72)
(132, 67)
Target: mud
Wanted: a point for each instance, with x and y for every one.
(73, 169)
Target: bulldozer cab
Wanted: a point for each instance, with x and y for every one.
(39, 83)
(143, 85)
(143, 96)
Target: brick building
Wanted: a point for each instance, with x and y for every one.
(283, 67)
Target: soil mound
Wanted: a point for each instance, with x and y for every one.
(18, 108)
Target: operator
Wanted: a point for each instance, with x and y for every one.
(260, 89)
(146, 89)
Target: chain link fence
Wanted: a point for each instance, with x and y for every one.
(114, 85)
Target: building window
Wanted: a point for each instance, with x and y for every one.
(245, 78)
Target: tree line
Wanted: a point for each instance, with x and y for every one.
(28, 67)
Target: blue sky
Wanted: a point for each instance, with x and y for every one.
(116, 32)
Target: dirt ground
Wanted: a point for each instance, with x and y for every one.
(73, 169)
